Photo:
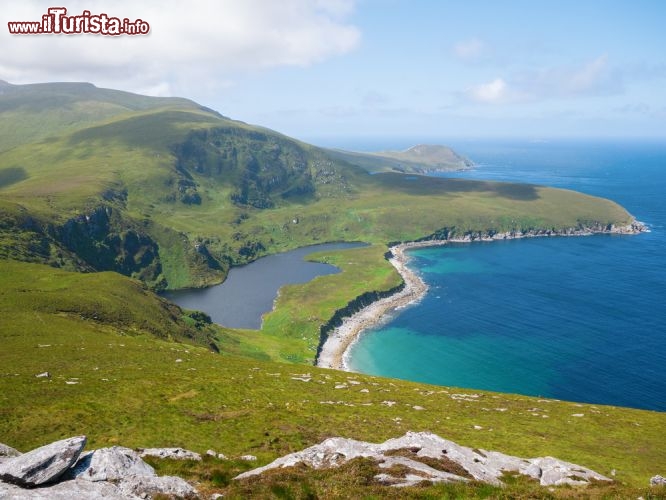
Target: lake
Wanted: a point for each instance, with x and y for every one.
(249, 291)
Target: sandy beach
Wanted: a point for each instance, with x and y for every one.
(339, 340)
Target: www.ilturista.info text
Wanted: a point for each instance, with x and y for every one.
(56, 21)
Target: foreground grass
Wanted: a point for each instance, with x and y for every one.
(119, 384)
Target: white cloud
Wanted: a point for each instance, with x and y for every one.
(199, 42)
(588, 76)
(469, 49)
(594, 77)
(591, 78)
(495, 91)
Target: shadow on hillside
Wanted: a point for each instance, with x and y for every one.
(161, 128)
(424, 185)
(12, 175)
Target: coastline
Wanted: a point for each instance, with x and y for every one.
(339, 341)
(335, 350)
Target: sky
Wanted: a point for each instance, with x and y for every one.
(330, 70)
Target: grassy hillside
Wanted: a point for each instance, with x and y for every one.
(30, 113)
(115, 381)
(171, 195)
(200, 193)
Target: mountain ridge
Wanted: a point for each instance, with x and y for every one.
(202, 192)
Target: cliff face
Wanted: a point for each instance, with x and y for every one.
(106, 241)
(100, 240)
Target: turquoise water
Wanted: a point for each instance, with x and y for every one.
(581, 319)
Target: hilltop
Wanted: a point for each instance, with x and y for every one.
(107, 197)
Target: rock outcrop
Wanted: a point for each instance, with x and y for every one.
(172, 453)
(53, 472)
(110, 464)
(457, 463)
(658, 481)
(43, 465)
(8, 452)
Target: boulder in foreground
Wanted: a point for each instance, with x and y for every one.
(53, 472)
(415, 451)
(42, 465)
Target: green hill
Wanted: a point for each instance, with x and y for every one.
(169, 194)
(172, 193)
(33, 112)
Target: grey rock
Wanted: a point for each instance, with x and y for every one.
(134, 477)
(108, 473)
(330, 453)
(42, 465)
(111, 464)
(658, 481)
(248, 458)
(486, 466)
(422, 472)
(557, 472)
(147, 486)
(8, 451)
(67, 490)
(43, 375)
(173, 453)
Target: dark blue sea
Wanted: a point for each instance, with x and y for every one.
(580, 319)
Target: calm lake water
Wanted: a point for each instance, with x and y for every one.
(249, 291)
(581, 319)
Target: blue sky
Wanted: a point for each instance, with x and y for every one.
(328, 70)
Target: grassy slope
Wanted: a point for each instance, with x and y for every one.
(100, 328)
(131, 389)
(128, 157)
(126, 160)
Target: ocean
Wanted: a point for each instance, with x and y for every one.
(573, 318)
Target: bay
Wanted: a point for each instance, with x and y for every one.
(580, 319)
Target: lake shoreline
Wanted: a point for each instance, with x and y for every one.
(335, 350)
